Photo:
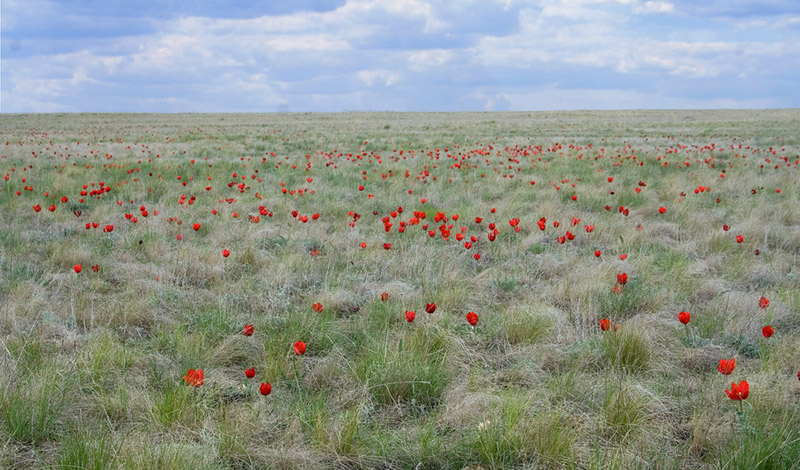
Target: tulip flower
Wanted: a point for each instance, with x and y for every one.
(739, 392)
(410, 315)
(194, 377)
(726, 366)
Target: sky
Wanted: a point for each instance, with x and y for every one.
(397, 55)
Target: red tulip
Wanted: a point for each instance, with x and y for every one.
(597, 253)
(317, 307)
(250, 373)
(384, 296)
(739, 392)
(194, 377)
(77, 268)
(623, 257)
(248, 330)
(37, 208)
(605, 324)
(96, 268)
(387, 246)
(410, 316)
(661, 210)
(430, 308)
(225, 253)
(472, 318)
(726, 366)
(725, 227)
(299, 348)
(767, 331)
(196, 226)
(622, 278)
(589, 228)
(363, 244)
(684, 317)
(739, 239)
(763, 302)
(265, 389)
(108, 228)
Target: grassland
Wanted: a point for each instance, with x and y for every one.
(92, 363)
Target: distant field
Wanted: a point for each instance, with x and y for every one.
(335, 230)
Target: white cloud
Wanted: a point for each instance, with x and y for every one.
(421, 60)
(369, 77)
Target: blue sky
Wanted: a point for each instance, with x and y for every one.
(398, 55)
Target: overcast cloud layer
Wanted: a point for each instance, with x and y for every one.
(400, 55)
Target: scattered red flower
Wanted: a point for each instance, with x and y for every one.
(248, 330)
(472, 318)
(767, 331)
(738, 392)
(726, 366)
(194, 377)
(299, 348)
(265, 389)
(605, 324)
(684, 317)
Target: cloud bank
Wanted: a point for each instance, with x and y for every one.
(401, 55)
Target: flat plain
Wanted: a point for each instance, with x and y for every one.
(134, 248)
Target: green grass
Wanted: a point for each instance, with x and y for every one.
(92, 364)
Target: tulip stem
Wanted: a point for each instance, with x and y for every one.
(297, 377)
